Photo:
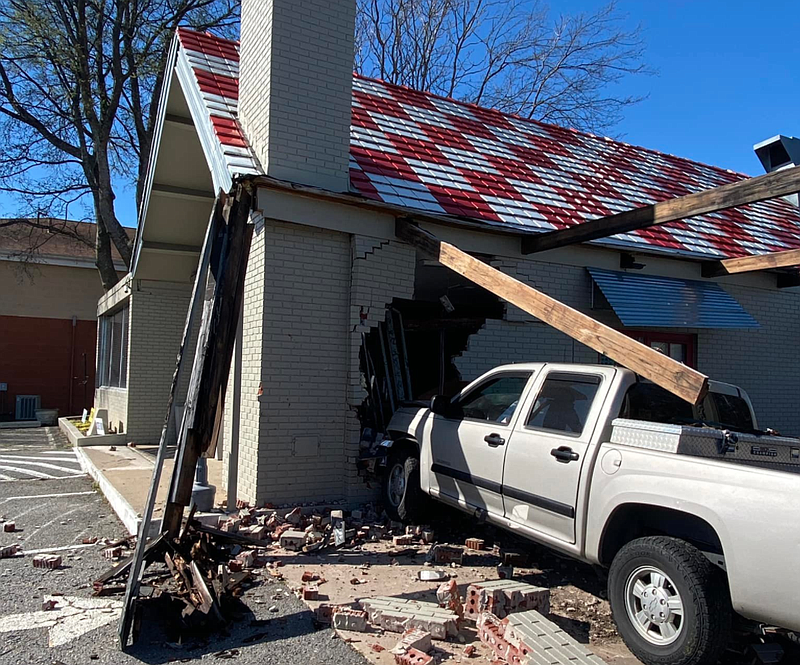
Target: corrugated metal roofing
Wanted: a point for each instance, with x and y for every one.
(442, 156)
(665, 302)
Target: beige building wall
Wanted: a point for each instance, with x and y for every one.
(49, 291)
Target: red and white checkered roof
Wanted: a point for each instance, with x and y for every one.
(441, 156)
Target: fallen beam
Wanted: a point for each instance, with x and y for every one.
(683, 381)
(752, 190)
(784, 259)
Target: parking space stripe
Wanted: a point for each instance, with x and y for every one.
(70, 458)
(42, 464)
(47, 496)
(28, 472)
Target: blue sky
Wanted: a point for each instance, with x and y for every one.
(727, 78)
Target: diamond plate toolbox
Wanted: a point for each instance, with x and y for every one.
(764, 450)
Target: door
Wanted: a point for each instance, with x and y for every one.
(468, 446)
(543, 463)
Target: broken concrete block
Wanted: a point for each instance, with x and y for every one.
(247, 557)
(324, 612)
(502, 597)
(416, 638)
(9, 527)
(398, 615)
(446, 554)
(447, 595)
(51, 561)
(8, 551)
(401, 541)
(310, 592)
(292, 539)
(474, 543)
(295, 516)
(413, 657)
(345, 618)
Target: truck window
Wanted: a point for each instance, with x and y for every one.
(647, 401)
(732, 411)
(563, 403)
(495, 400)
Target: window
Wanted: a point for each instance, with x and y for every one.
(678, 346)
(112, 360)
(496, 400)
(564, 402)
(732, 411)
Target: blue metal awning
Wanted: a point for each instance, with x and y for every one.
(666, 302)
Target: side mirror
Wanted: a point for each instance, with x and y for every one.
(440, 405)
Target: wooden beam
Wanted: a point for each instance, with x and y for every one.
(680, 380)
(784, 259)
(752, 190)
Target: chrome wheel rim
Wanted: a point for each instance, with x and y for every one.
(654, 606)
(397, 484)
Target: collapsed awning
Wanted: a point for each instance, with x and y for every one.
(666, 302)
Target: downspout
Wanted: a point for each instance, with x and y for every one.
(72, 364)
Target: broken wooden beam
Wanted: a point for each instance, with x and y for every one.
(671, 375)
(784, 259)
(751, 190)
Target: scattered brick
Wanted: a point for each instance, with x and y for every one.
(514, 558)
(447, 595)
(400, 541)
(247, 557)
(112, 552)
(310, 592)
(475, 543)
(427, 536)
(324, 613)
(416, 638)
(47, 561)
(446, 554)
(235, 566)
(309, 576)
(91, 540)
(345, 618)
(502, 597)
(505, 572)
(48, 605)
(9, 527)
(377, 648)
(469, 650)
(397, 615)
(413, 657)
(8, 551)
(295, 516)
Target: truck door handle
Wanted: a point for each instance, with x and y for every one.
(494, 440)
(565, 454)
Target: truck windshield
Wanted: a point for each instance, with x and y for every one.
(647, 401)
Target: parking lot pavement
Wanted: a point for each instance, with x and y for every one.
(270, 627)
(27, 454)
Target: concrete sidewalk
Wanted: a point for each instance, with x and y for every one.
(124, 476)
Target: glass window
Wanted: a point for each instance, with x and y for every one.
(647, 401)
(112, 360)
(564, 402)
(496, 400)
(732, 411)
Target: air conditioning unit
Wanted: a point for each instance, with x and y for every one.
(26, 407)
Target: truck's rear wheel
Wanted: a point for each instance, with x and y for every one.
(670, 603)
(401, 491)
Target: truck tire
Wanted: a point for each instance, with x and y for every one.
(402, 494)
(670, 603)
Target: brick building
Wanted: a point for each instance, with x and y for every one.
(48, 318)
(342, 321)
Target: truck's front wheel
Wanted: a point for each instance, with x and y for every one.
(401, 491)
(670, 603)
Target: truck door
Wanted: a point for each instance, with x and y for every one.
(468, 446)
(551, 438)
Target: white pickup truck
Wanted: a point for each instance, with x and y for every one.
(693, 510)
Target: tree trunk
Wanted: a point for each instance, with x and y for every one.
(103, 258)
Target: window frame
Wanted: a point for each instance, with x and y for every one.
(108, 345)
(689, 340)
(456, 402)
(557, 432)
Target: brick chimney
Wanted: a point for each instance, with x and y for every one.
(295, 81)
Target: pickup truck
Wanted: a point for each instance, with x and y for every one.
(600, 465)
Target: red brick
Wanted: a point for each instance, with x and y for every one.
(47, 561)
(310, 592)
(399, 541)
(112, 552)
(475, 543)
(9, 527)
(413, 657)
(309, 576)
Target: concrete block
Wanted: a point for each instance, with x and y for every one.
(416, 638)
(345, 618)
(504, 596)
(398, 615)
(291, 539)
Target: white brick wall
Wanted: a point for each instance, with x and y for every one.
(295, 87)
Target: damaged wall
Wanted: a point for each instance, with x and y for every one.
(381, 271)
(520, 337)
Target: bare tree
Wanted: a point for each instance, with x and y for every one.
(77, 81)
(511, 55)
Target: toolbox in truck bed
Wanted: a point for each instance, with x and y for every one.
(778, 452)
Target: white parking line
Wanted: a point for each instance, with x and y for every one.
(57, 549)
(4, 477)
(42, 464)
(35, 474)
(46, 496)
(62, 458)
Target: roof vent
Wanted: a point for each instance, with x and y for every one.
(779, 152)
